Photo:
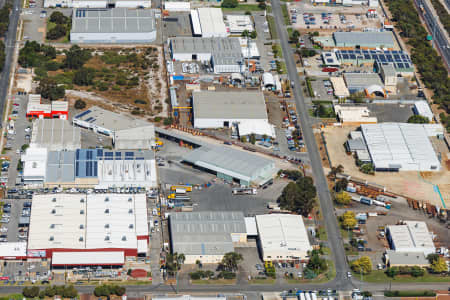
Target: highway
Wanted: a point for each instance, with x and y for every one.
(440, 37)
(10, 42)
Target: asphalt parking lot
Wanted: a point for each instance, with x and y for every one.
(391, 112)
(177, 24)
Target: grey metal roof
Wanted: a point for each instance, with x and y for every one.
(406, 258)
(356, 144)
(229, 105)
(362, 80)
(205, 233)
(109, 120)
(56, 134)
(205, 45)
(388, 69)
(227, 160)
(228, 59)
(114, 20)
(60, 166)
(368, 38)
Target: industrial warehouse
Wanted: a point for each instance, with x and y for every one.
(244, 110)
(224, 54)
(115, 25)
(55, 134)
(81, 230)
(233, 165)
(282, 237)
(206, 236)
(402, 146)
(109, 123)
(95, 168)
(54, 109)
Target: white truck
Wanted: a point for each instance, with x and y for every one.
(244, 191)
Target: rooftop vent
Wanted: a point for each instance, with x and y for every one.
(80, 239)
(107, 211)
(131, 226)
(81, 226)
(130, 199)
(53, 211)
(130, 211)
(52, 226)
(54, 200)
(106, 226)
(106, 199)
(107, 238)
(124, 238)
(82, 212)
(51, 238)
(82, 200)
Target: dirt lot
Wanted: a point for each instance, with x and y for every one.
(410, 184)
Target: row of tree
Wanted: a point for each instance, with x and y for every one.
(2, 55)
(428, 62)
(106, 290)
(4, 18)
(65, 291)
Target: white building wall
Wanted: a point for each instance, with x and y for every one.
(54, 3)
(89, 4)
(133, 4)
(228, 68)
(203, 57)
(205, 259)
(219, 123)
(103, 38)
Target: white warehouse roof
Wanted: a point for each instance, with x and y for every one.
(412, 236)
(400, 146)
(88, 258)
(423, 109)
(211, 22)
(282, 236)
(55, 134)
(92, 221)
(12, 250)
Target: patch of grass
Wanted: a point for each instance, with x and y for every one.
(309, 87)
(269, 9)
(262, 281)
(272, 28)
(329, 275)
(215, 281)
(284, 10)
(322, 232)
(281, 67)
(277, 51)
(64, 39)
(326, 250)
(380, 276)
(244, 7)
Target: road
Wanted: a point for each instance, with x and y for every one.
(10, 42)
(440, 38)
(334, 238)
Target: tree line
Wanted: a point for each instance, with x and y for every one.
(429, 64)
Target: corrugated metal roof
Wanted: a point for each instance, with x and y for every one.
(343, 39)
(400, 144)
(60, 166)
(229, 105)
(205, 233)
(205, 45)
(229, 161)
(55, 134)
(122, 20)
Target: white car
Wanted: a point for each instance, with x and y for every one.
(349, 274)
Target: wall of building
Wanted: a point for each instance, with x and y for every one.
(112, 38)
(219, 123)
(203, 57)
(205, 259)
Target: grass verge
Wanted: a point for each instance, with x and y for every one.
(262, 281)
(284, 10)
(272, 28)
(244, 7)
(380, 276)
(215, 281)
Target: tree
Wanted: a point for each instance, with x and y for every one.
(417, 271)
(84, 76)
(348, 219)
(230, 261)
(245, 33)
(262, 5)
(80, 104)
(317, 263)
(69, 292)
(335, 170)
(343, 198)
(295, 36)
(58, 18)
(432, 258)
(2, 55)
(244, 139)
(299, 196)
(168, 121)
(229, 3)
(49, 89)
(341, 185)
(418, 119)
(253, 34)
(56, 32)
(362, 265)
(76, 57)
(392, 272)
(367, 168)
(439, 265)
(252, 138)
(102, 291)
(30, 292)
